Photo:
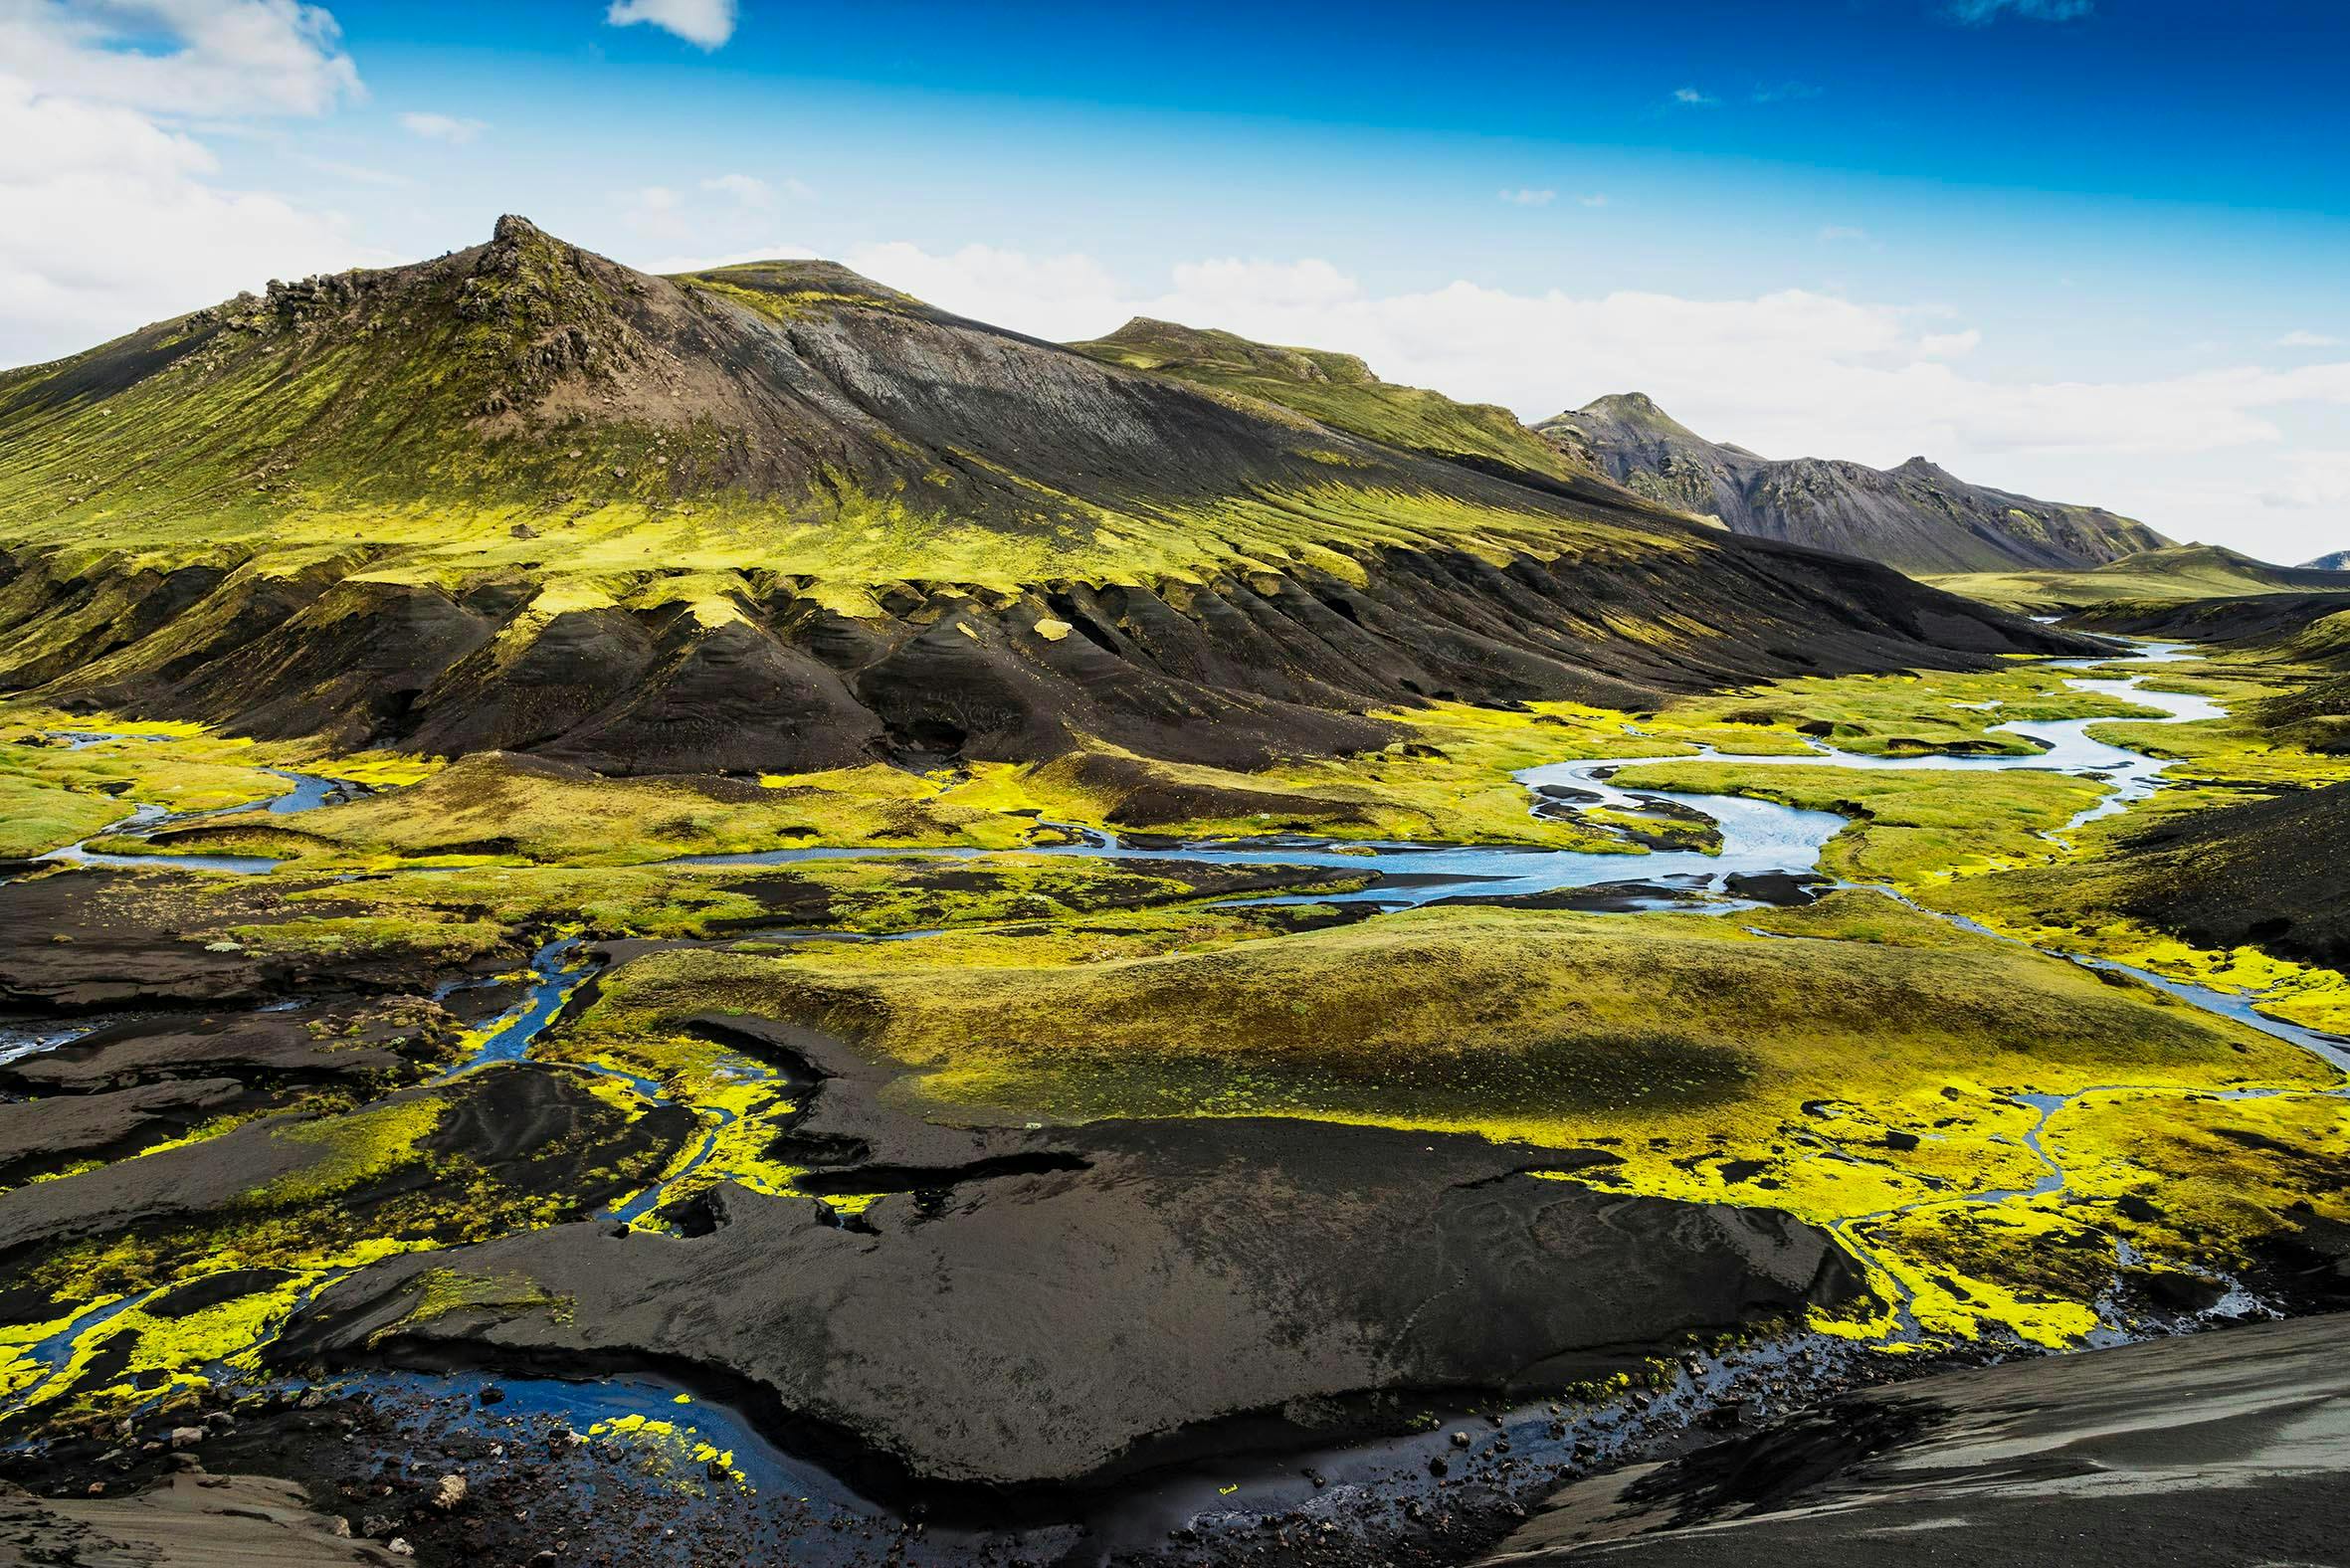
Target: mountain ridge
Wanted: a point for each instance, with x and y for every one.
(1916, 516)
(779, 517)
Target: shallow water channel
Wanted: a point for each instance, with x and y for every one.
(1758, 838)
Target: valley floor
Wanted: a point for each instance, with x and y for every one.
(1112, 1158)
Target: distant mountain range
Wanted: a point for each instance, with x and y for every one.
(1915, 517)
(2338, 561)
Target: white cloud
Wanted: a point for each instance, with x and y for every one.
(1060, 298)
(1694, 98)
(357, 173)
(2314, 479)
(2306, 339)
(443, 128)
(1787, 373)
(237, 58)
(654, 211)
(1595, 199)
(747, 189)
(1525, 196)
(690, 261)
(114, 215)
(706, 24)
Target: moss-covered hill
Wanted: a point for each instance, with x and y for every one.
(1917, 516)
(777, 517)
(1340, 391)
(2172, 576)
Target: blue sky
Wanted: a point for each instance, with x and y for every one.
(2095, 250)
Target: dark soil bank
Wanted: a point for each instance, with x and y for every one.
(2213, 1450)
(2275, 872)
(1039, 1309)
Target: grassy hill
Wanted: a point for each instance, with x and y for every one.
(2174, 573)
(777, 517)
(1339, 391)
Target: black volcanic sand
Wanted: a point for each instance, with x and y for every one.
(99, 940)
(189, 1520)
(2243, 620)
(2273, 873)
(1238, 674)
(1040, 1309)
(522, 1136)
(2213, 1450)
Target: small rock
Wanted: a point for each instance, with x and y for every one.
(399, 1548)
(186, 1437)
(448, 1493)
(339, 1527)
(97, 1488)
(1461, 1440)
(1437, 1466)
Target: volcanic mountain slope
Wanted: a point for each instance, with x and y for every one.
(2337, 561)
(779, 517)
(1916, 516)
(1340, 391)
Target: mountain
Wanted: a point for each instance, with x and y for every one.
(779, 517)
(2338, 561)
(1340, 391)
(1915, 518)
(2171, 577)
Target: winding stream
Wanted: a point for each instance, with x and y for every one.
(1758, 838)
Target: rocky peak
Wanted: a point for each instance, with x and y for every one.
(1634, 411)
(513, 229)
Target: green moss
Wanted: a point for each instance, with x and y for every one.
(1338, 390)
(1910, 827)
(352, 1150)
(2161, 576)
